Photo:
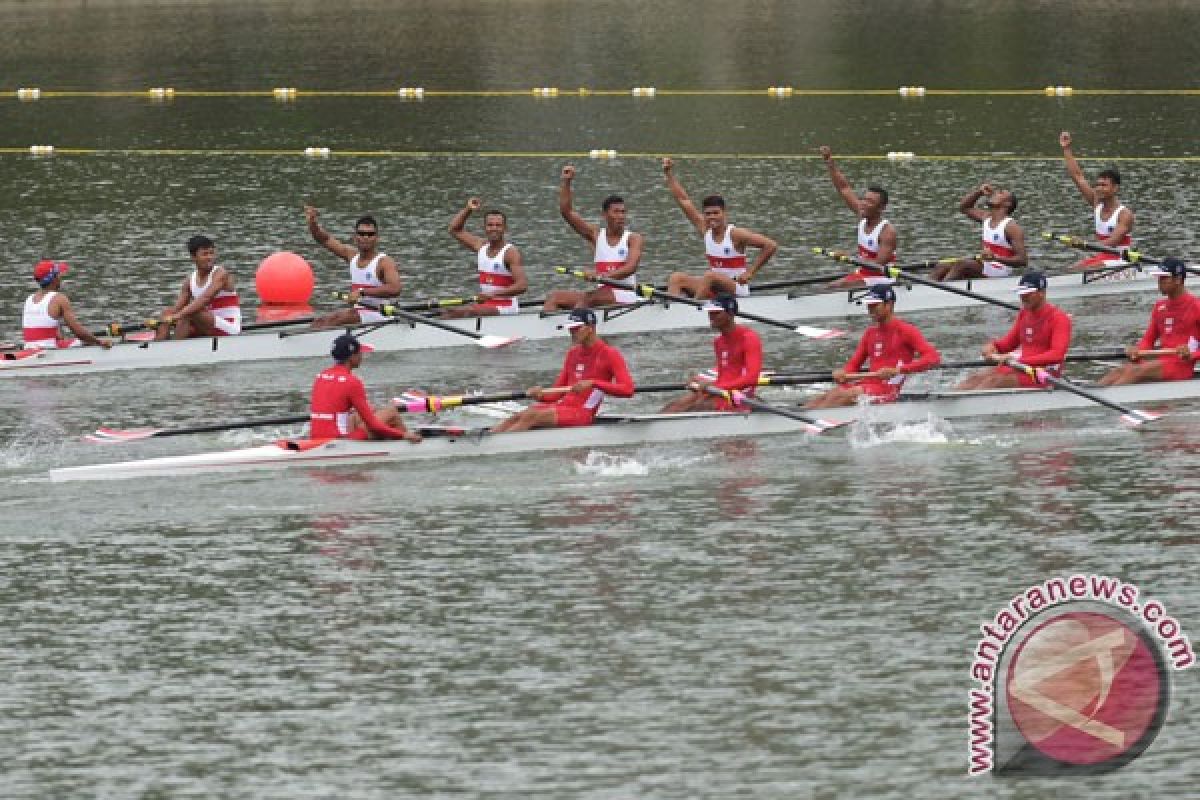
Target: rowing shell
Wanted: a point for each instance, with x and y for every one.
(640, 318)
(613, 431)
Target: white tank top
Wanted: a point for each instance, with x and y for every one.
(494, 275)
(610, 258)
(367, 278)
(224, 303)
(39, 329)
(1105, 227)
(996, 240)
(868, 241)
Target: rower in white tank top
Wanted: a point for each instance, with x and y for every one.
(610, 258)
(38, 328)
(724, 258)
(996, 240)
(368, 278)
(494, 275)
(225, 306)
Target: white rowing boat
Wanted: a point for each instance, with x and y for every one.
(641, 318)
(615, 431)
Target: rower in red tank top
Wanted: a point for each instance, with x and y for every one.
(1174, 326)
(739, 362)
(339, 408)
(592, 369)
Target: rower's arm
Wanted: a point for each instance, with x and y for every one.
(1060, 342)
(840, 183)
(566, 207)
(358, 399)
(968, 205)
(928, 358)
(620, 383)
(389, 275)
(458, 227)
(753, 365)
(1151, 337)
(681, 198)
(325, 238)
(67, 315)
(887, 246)
(1124, 227)
(1009, 341)
(631, 262)
(744, 239)
(1075, 172)
(216, 283)
(855, 364)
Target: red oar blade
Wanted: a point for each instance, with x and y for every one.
(819, 425)
(116, 436)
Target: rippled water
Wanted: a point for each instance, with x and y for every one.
(786, 617)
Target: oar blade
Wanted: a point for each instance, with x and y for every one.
(491, 341)
(118, 436)
(1137, 417)
(818, 333)
(819, 425)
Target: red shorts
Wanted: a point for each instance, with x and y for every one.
(568, 416)
(866, 275)
(879, 391)
(1023, 379)
(1175, 368)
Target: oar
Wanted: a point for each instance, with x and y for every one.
(846, 258)
(1131, 416)
(648, 291)
(487, 340)
(1124, 253)
(437, 303)
(897, 272)
(115, 436)
(811, 424)
(120, 328)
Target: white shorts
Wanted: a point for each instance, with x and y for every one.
(230, 326)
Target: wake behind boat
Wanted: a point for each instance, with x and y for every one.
(622, 430)
(645, 317)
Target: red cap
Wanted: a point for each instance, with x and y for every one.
(46, 271)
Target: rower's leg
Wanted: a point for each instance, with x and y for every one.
(836, 397)
(1141, 372)
(561, 300)
(682, 283)
(528, 419)
(714, 283)
(473, 310)
(600, 296)
(163, 332)
(683, 403)
(991, 379)
(337, 319)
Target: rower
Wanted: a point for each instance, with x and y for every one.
(617, 252)
(374, 276)
(1003, 240)
(891, 349)
(724, 246)
(1174, 325)
(501, 274)
(1039, 338)
(592, 369)
(876, 236)
(1113, 221)
(47, 309)
(208, 302)
(339, 408)
(739, 362)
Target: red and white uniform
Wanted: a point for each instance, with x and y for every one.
(739, 362)
(367, 277)
(724, 258)
(1104, 229)
(895, 343)
(336, 392)
(225, 308)
(602, 364)
(996, 240)
(1038, 339)
(610, 258)
(1174, 322)
(494, 275)
(868, 250)
(38, 328)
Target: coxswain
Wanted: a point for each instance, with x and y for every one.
(49, 308)
(208, 302)
(340, 409)
(1003, 241)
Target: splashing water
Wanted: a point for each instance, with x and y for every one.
(865, 432)
(609, 465)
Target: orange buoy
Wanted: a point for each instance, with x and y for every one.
(284, 278)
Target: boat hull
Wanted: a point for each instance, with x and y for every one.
(627, 430)
(643, 318)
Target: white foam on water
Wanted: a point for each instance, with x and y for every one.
(932, 430)
(611, 465)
